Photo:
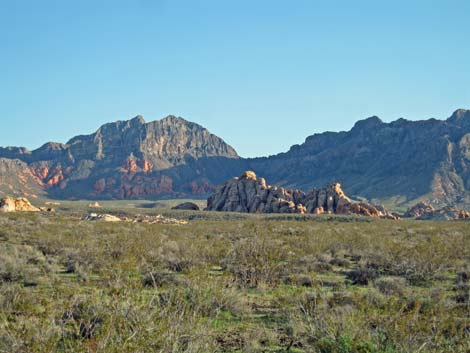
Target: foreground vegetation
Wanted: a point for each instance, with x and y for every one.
(234, 284)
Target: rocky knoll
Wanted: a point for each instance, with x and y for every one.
(424, 211)
(9, 204)
(251, 194)
(187, 206)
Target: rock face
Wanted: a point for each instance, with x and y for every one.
(22, 204)
(190, 206)
(251, 194)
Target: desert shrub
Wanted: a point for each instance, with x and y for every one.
(363, 274)
(12, 269)
(83, 319)
(230, 340)
(345, 344)
(253, 261)
(340, 262)
(322, 263)
(462, 287)
(463, 276)
(202, 300)
(228, 293)
(391, 285)
(341, 298)
(311, 302)
(76, 262)
(171, 256)
(310, 263)
(10, 297)
(155, 279)
(20, 263)
(303, 280)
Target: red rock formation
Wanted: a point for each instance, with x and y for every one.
(130, 166)
(56, 177)
(147, 166)
(41, 172)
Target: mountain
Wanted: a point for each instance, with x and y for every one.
(125, 159)
(396, 163)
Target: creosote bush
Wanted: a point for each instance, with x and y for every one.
(233, 283)
(257, 260)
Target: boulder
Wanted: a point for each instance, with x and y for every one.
(101, 217)
(187, 206)
(21, 204)
(47, 209)
(94, 205)
(251, 194)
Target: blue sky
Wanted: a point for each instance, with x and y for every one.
(261, 74)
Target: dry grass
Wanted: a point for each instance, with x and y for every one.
(256, 284)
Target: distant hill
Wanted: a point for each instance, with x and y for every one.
(396, 163)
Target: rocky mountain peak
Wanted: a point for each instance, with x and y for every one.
(369, 123)
(174, 119)
(139, 119)
(459, 115)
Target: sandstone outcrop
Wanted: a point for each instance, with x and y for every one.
(424, 211)
(101, 217)
(190, 206)
(418, 210)
(21, 204)
(94, 205)
(157, 219)
(445, 214)
(251, 194)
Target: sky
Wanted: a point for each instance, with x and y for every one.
(261, 74)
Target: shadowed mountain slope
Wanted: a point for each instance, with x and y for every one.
(399, 161)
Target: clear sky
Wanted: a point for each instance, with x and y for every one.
(261, 74)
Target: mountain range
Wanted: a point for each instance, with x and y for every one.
(396, 163)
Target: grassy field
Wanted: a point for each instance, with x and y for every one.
(232, 283)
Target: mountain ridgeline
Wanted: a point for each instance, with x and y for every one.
(397, 163)
(125, 159)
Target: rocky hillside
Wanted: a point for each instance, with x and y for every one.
(399, 162)
(125, 159)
